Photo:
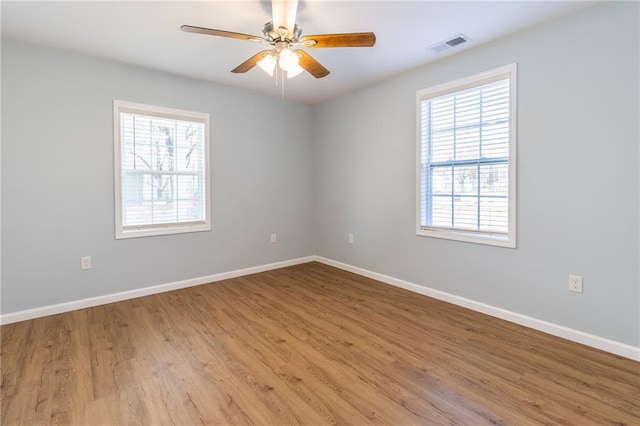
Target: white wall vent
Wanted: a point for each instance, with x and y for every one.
(448, 44)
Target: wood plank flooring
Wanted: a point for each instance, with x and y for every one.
(309, 344)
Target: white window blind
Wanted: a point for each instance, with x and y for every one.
(161, 170)
(466, 147)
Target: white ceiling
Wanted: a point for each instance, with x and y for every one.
(148, 34)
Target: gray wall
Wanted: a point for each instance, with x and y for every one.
(57, 175)
(578, 180)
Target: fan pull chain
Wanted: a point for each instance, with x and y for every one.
(280, 72)
(282, 85)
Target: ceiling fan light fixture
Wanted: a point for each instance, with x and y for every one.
(294, 71)
(284, 36)
(288, 60)
(268, 63)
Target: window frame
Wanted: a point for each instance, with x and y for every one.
(482, 237)
(122, 232)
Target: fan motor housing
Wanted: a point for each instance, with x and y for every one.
(272, 35)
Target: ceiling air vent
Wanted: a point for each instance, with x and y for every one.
(448, 44)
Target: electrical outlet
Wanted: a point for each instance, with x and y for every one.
(274, 238)
(85, 262)
(350, 238)
(575, 283)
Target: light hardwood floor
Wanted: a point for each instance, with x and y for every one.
(310, 345)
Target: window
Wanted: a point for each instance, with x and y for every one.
(161, 170)
(467, 159)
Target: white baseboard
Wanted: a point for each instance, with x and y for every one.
(607, 345)
(601, 343)
(146, 291)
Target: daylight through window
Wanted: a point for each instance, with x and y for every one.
(161, 170)
(466, 170)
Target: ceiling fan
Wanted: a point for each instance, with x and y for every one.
(285, 38)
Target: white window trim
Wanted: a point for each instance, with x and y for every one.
(155, 230)
(501, 240)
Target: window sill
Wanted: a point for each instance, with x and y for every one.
(157, 231)
(498, 240)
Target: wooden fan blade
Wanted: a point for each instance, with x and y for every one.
(314, 67)
(339, 40)
(220, 33)
(284, 15)
(250, 63)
